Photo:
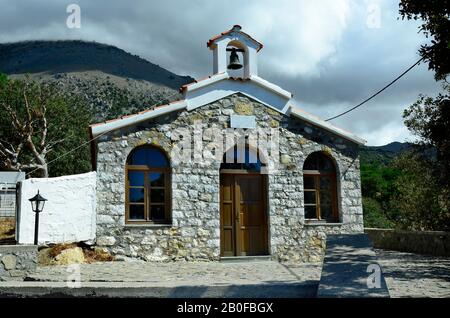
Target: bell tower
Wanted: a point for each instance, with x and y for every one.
(226, 48)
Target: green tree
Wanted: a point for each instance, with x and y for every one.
(39, 124)
(419, 203)
(423, 200)
(374, 216)
(434, 15)
(429, 120)
(378, 188)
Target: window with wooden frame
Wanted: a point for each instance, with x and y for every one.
(319, 183)
(148, 186)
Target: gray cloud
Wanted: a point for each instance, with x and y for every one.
(324, 52)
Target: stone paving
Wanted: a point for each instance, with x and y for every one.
(407, 275)
(413, 275)
(187, 273)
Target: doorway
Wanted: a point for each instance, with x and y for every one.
(243, 217)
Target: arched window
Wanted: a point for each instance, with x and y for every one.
(319, 182)
(147, 186)
(242, 158)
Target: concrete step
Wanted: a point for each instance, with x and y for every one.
(237, 259)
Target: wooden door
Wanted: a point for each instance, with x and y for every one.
(243, 215)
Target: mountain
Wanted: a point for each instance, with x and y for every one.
(383, 154)
(112, 81)
(393, 147)
(115, 82)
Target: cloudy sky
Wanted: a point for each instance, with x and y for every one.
(331, 54)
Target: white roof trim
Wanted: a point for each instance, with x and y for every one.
(274, 88)
(101, 128)
(208, 81)
(221, 89)
(208, 98)
(224, 76)
(192, 101)
(297, 112)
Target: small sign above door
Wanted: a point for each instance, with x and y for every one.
(241, 121)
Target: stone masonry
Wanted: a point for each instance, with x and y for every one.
(195, 230)
(17, 261)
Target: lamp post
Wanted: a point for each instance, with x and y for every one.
(37, 205)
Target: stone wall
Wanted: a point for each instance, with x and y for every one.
(195, 230)
(16, 261)
(426, 242)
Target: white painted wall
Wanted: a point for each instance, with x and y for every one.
(250, 55)
(220, 89)
(68, 215)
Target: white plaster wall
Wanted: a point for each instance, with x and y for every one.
(68, 215)
(222, 89)
(220, 54)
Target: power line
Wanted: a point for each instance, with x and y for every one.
(381, 90)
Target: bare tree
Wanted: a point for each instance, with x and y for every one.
(26, 108)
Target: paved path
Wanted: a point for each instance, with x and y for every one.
(179, 280)
(413, 275)
(407, 275)
(183, 273)
(348, 258)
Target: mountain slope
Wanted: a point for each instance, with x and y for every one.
(382, 154)
(79, 56)
(112, 81)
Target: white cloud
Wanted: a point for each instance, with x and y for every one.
(298, 34)
(322, 51)
(388, 133)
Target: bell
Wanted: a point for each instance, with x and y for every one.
(235, 64)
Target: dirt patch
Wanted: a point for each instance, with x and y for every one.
(7, 229)
(58, 248)
(95, 255)
(49, 255)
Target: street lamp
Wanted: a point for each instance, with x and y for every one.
(37, 205)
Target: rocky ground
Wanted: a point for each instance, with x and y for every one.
(413, 275)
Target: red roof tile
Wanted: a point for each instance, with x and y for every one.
(183, 88)
(132, 115)
(235, 28)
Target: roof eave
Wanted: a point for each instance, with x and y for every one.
(103, 128)
(212, 42)
(316, 121)
(225, 76)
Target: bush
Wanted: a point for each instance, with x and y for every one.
(374, 216)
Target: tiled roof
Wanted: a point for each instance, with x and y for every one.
(235, 28)
(135, 114)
